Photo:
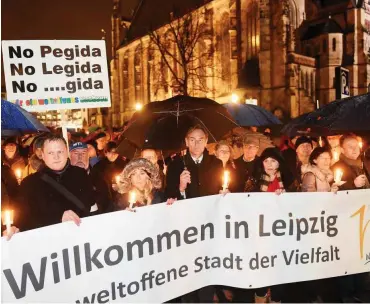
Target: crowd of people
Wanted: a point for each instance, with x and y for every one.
(48, 183)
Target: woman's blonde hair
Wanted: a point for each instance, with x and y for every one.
(124, 184)
(225, 143)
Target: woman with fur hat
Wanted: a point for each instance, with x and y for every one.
(142, 177)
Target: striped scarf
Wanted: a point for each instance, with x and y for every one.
(265, 181)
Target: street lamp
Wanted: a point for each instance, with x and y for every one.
(234, 98)
(138, 106)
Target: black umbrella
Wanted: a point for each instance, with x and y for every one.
(340, 116)
(247, 115)
(298, 126)
(163, 124)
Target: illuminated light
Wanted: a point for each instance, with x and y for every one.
(234, 98)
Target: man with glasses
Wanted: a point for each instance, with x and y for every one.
(192, 175)
(248, 162)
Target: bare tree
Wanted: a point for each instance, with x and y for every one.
(185, 53)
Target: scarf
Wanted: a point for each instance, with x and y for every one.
(266, 180)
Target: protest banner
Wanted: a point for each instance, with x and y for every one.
(44, 75)
(161, 252)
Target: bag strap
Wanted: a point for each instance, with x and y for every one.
(63, 190)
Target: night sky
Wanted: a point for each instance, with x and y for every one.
(59, 19)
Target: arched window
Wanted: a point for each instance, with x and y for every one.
(138, 73)
(125, 75)
(253, 30)
(334, 44)
(225, 48)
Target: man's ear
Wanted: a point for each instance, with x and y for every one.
(187, 142)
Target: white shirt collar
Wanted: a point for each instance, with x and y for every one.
(197, 160)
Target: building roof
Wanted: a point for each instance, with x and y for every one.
(150, 15)
(328, 27)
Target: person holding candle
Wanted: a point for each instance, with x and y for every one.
(319, 169)
(224, 152)
(195, 174)
(139, 185)
(11, 156)
(356, 172)
(57, 193)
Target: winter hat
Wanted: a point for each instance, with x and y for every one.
(272, 152)
(124, 183)
(111, 147)
(302, 140)
(77, 145)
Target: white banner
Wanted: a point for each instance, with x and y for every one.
(46, 75)
(161, 252)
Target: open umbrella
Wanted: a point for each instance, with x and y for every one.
(163, 124)
(247, 115)
(16, 121)
(351, 114)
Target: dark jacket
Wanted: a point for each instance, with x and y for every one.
(9, 187)
(123, 202)
(41, 205)
(244, 171)
(350, 172)
(17, 162)
(206, 178)
(294, 166)
(103, 175)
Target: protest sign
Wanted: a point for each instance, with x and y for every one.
(46, 75)
(161, 252)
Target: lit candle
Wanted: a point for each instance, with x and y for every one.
(360, 144)
(320, 142)
(18, 175)
(132, 198)
(338, 176)
(226, 180)
(8, 219)
(335, 156)
(117, 179)
(317, 104)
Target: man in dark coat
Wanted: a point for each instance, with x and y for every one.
(43, 200)
(247, 164)
(356, 176)
(295, 159)
(356, 171)
(194, 175)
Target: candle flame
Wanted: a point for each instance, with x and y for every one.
(320, 142)
(117, 179)
(8, 218)
(18, 173)
(132, 198)
(226, 179)
(335, 156)
(338, 176)
(360, 144)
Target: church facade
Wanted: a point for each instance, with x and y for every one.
(283, 54)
